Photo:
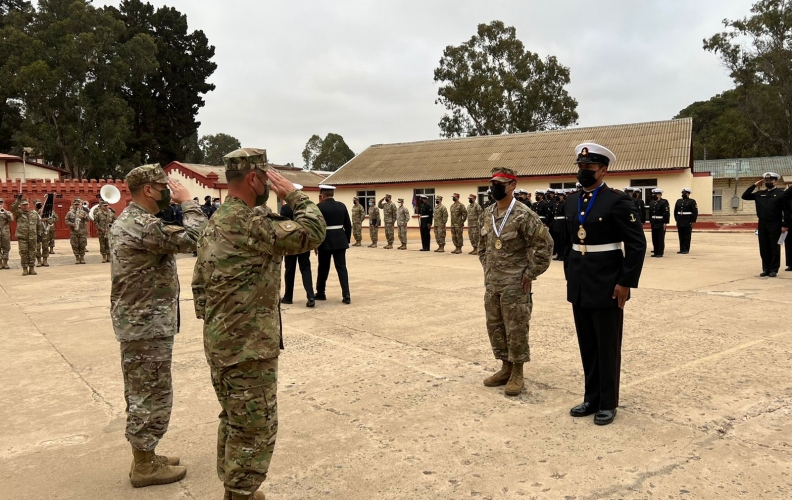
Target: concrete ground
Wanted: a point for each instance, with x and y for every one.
(383, 399)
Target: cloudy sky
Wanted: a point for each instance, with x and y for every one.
(364, 68)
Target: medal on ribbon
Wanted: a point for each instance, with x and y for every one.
(581, 234)
(498, 230)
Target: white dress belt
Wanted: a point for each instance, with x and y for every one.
(335, 227)
(657, 216)
(608, 247)
(560, 218)
(424, 216)
(684, 213)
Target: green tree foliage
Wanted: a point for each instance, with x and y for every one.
(328, 154)
(492, 85)
(14, 14)
(757, 50)
(214, 147)
(721, 130)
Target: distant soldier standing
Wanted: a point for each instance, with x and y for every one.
(389, 216)
(42, 245)
(515, 249)
(425, 212)
(335, 244)
(639, 203)
(685, 215)
(374, 222)
(236, 283)
(6, 218)
(103, 219)
(402, 220)
(28, 232)
(144, 307)
(77, 220)
(770, 207)
(440, 221)
(474, 212)
(358, 216)
(50, 224)
(558, 230)
(458, 217)
(660, 213)
(48, 236)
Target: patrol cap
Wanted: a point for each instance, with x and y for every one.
(298, 186)
(37, 202)
(771, 175)
(103, 203)
(387, 196)
(471, 195)
(246, 159)
(591, 152)
(657, 191)
(456, 194)
(439, 198)
(400, 200)
(24, 202)
(503, 174)
(77, 201)
(686, 190)
(147, 174)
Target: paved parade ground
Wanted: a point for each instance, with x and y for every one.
(382, 399)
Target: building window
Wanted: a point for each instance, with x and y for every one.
(717, 199)
(430, 194)
(364, 197)
(482, 195)
(563, 185)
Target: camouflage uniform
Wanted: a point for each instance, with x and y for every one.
(28, 232)
(236, 285)
(50, 225)
(389, 215)
(77, 220)
(48, 234)
(440, 221)
(526, 251)
(103, 218)
(458, 217)
(144, 306)
(6, 218)
(374, 222)
(474, 212)
(358, 215)
(42, 245)
(402, 219)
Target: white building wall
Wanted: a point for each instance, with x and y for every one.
(16, 171)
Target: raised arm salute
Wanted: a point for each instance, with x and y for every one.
(770, 210)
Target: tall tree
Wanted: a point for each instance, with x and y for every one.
(312, 149)
(16, 15)
(757, 50)
(492, 85)
(165, 103)
(334, 154)
(214, 147)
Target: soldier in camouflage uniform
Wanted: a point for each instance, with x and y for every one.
(440, 221)
(389, 215)
(374, 222)
(103, 218)
(144, 306)
(48, 236)
(402, 219)
(6, 218)
(458, 217)
(42, 246)
(514, 249)
(77, 220)
(50, 226)
(236, 286)
(358, 215)
(28, 232)
(474, 212)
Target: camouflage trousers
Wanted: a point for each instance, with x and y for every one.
(474, 233)
(403, 233)
(458, 236)
(389, 232)
(508, 311)
(27, 252)
(43, 247)
(78, 244)
(374, 233)
(148, 390)
(440, 234)
(52, 239)
(104, 246)
(357, 231)
(247, 393)
(5, 244)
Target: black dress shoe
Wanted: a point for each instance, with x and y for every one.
(310, 303)
(680, 251)
(658, 256)
(772, 275)
(686, 252)
(764, 274)
(604, 417)
(789, 268)
(347, 300)
(320, 296)
(583, 410)
(286, 301)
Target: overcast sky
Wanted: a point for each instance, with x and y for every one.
(364, 68)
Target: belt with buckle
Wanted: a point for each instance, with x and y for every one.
(335, 227)
(684, 213)
(607, 247)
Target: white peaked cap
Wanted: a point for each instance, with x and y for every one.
(592, 148)
(327, 187)
(772, 174)
(657, 190)
(297, 186)
(686, 190)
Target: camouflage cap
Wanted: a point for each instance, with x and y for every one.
(246, 159)
(503, 174)
(147, 174)
(77, 201)
(24, 201)
(387, 196)
(103, 203)
(38, 202)
(439, 198)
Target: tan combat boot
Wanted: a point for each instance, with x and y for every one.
(440, 248)
(258, 495)
(3, 263)
(501, 377)
(473, 252)
(77, 259)
(32, 271)
(403, 246)
(148, 470)
(38, 261)
(45, 263)
(389, 246)
(516, 382)
(82, 259)
(24, 271)
(161, 458)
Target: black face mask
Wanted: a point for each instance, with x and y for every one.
(455, 198)
(471, 200)
(654, 197)
(498, 191)
(587, 178)
(685, 196)
(769, 185)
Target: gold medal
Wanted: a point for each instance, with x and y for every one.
(498, 244)
(581, 233)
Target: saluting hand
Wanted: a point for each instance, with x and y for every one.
(179, 193)
(759, 182)
(620, 293)
(281, 185)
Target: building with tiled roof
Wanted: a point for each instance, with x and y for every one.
(12, 168)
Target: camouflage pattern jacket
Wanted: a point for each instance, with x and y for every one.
(29, 226)
(102, 220)
(358, 214)
(458, 214)
(388, 212)
(72, 218)
(374, 216)
(144, 294)
(403, 216)
(236, 282)
(474, 212)
(526, 246)
(6, 218)
(49, 223)
(440, 215)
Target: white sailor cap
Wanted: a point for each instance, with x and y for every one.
(686, 190)
(540, 191)
(298, 186)
(590, 152)
(657, 191)
(326, 187)
(628, 189)
(771, 175)
(578, 185)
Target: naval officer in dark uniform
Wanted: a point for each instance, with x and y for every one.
(599, 276)
(685, 215)
(426, 213)
(770, 208)
(290, 264)
(339, 232)
(659, 217)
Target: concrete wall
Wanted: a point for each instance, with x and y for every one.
(15, 171)
(726, 188)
